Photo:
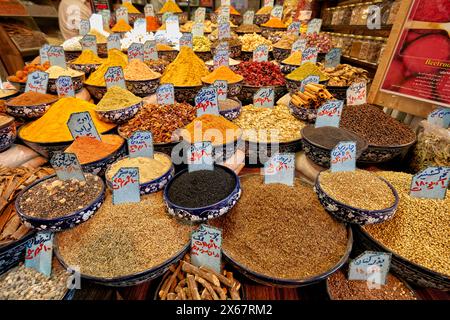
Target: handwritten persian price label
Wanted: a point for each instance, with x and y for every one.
(186, 40)
(310, 55)
(43, 53)
(56, 56)
(224, 31)
(67, 166)
(150, 52)
(264, 98)
(85, 26)
(125, 185)
(225, 2)
(89, 42)
(299, 45)
(277, 12)
(172, 25)
(114, 77)
(200, 15)
(136, 51)
(96, 21)
(305, 15)
(329, 114)
(430, 183)
(140, 26)
(308, 79)
(206, 101)
(206, 247)
(221, 58)
(106, 18)
(222, 89)
(370, 266)
(81, 125)
(333, 58)
(357, 94)
(113, 41)
(140, 144)
(261, 53)
(280, 169)
(224, 15)
(122, 13)
(39, 251)
(165, 94)
(198, 29)
(343, 156)
(314, 26)
(268, 3)
(37, 82)
(440, 117)
(294, 28)
(64, 86)
(249, 17)
(200, 156)
(149, 11)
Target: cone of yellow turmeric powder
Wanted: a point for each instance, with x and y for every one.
(121, 26)
(115, 58)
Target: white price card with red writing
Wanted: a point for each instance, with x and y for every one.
(370, 266)
(172, 25)
(222, 89)
(39, 252)
(85, 26)
(89, 42)
(149, 11)
(122, 13)
(43, 53)
(225, 2)
(198, 29)
(140, 144)
(96, 21)
(440, 117)
(310, 55)
(206, 247)
(140, 26)
(114, 77)
(264, 98)
(125, 185)
(307, 80)
(200, 15)
(314, 26)
(299, 45)
(206, 101)
(261, 53)
(224, 31)
(37, 82)
(249, 17)
(199, 156)
(268, 3)
(106, 18)
(113, 41)
(136, 51)
(357, 94)
(56, 56)
(343, 156)
(277, 12)
(333, 58)
(329, 114)
(294, 28)
(81, 125)
(280, 169)
(67, 166)
(165, 94)
(224, 15)
(430, 183)
(305, 15)
(150, 52)
(221, 58)
(64, 87)
(186, 40)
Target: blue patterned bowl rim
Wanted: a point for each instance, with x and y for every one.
(300, 81)
(166, 190)
(366, 212)
(94, 86)
(290, 65)
(84, 64)
(11, 245)
(188, 87)
(73, 77)
(54, 220)
(140, 81)
(229, 84)
(158, 144)
(276, 88)
(8, 123)
(108, 156)
(32, 106)
(124, 109)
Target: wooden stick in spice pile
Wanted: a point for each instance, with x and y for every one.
(313, 96)
(188, 282)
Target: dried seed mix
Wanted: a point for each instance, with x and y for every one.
(149, 169)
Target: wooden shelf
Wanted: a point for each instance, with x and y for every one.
(360, 30)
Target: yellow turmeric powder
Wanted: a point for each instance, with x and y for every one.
(121, 26)
(130, 7)
(88, 57)
(170, 6)
(209, 127)
(274, 23)
(52, 126)
(115, 58)
(99, 37)
(295, 59)
(223, 73)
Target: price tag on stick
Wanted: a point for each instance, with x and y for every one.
(113, 41)
(224, 15)
(206, 247)
(96, 21)
(268, 3)
(249, 17)
(67, 166)
(280, 169)
(440, 117)
(122, 13)
(165, 94)
(314, 26)
(43, 53)
(136, 51)
(37, 82)
(370, 266)
(149, 11)
(64, 86)
(125, 185)
(222, 89)
(264, 98)
(206, 101)
(106, 18)
(310, 55)
(198, 30)
(39, 251)
(150, 52)
(224, 31)
(277, 12)
(200, 15)
(140, 26)
(307, 80)
(343, 156)
(329, 114)
(186, 40)
(261, 53)
(200, 156)
(81, 125)
(114, 77)
(333, 58)
(299, 45)
(221, 58)
(294, 28)
(430, 183)
(85, 26)
(357, 94)
(140, 144)
(89, 42)
(56, 56)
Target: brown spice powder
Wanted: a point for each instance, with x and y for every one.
(282, 231)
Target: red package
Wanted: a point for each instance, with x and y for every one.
(432, 10)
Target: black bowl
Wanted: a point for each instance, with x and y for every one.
(186, 94)
(294, 86)
(86, 68)
(142, 88)
(379, 154)
(13, 253)
(232, 114)
(261, 18)
(168, 55)
(72, 55)
(204, 55)
(234, 51)
(258, 153)
(304, 114)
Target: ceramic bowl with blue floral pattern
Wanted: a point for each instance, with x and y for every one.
(30, 111)
(142, 88)
(8, 134)
(119, 116)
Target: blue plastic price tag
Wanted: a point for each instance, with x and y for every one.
(56, 56)
(430, 183)
(249, 17)
(113, 41)
(370, 266)
(85, 26)
(37, 82)
(294, 28)
(222, 89)
(149, 11)
(329, 114)
(261, 53)
(224, 31)
(280, 169)
(310, 55)
(357, 94)
(343, 156)
(333, 58)
(150, 52)
(308, 79)
(299, 45)
(81, 125)
(440, 117)
(89, 42)
(200, 15)
(165, 94)
(67, 166)
(206, 247)
(122, 13)
(314, 26)
(200, 157)
(114, 77)
(277, 12)
(140, 26)
(125, 185)
(264, 98)
(140, 144)
(221, 58)
(43, 53)
(39, 251)
(186, 40)
(206, 101)
(198, 29)
(64, 86)
(136, 51)
(224, 15)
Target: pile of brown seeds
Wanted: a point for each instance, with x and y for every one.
(124, 239)
(282, 231)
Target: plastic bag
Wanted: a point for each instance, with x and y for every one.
(16, 156)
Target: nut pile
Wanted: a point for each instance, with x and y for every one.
(286, 41)
(252, 40)
(188, 282)
(344, 75)
(320, 40)
(201, 44)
